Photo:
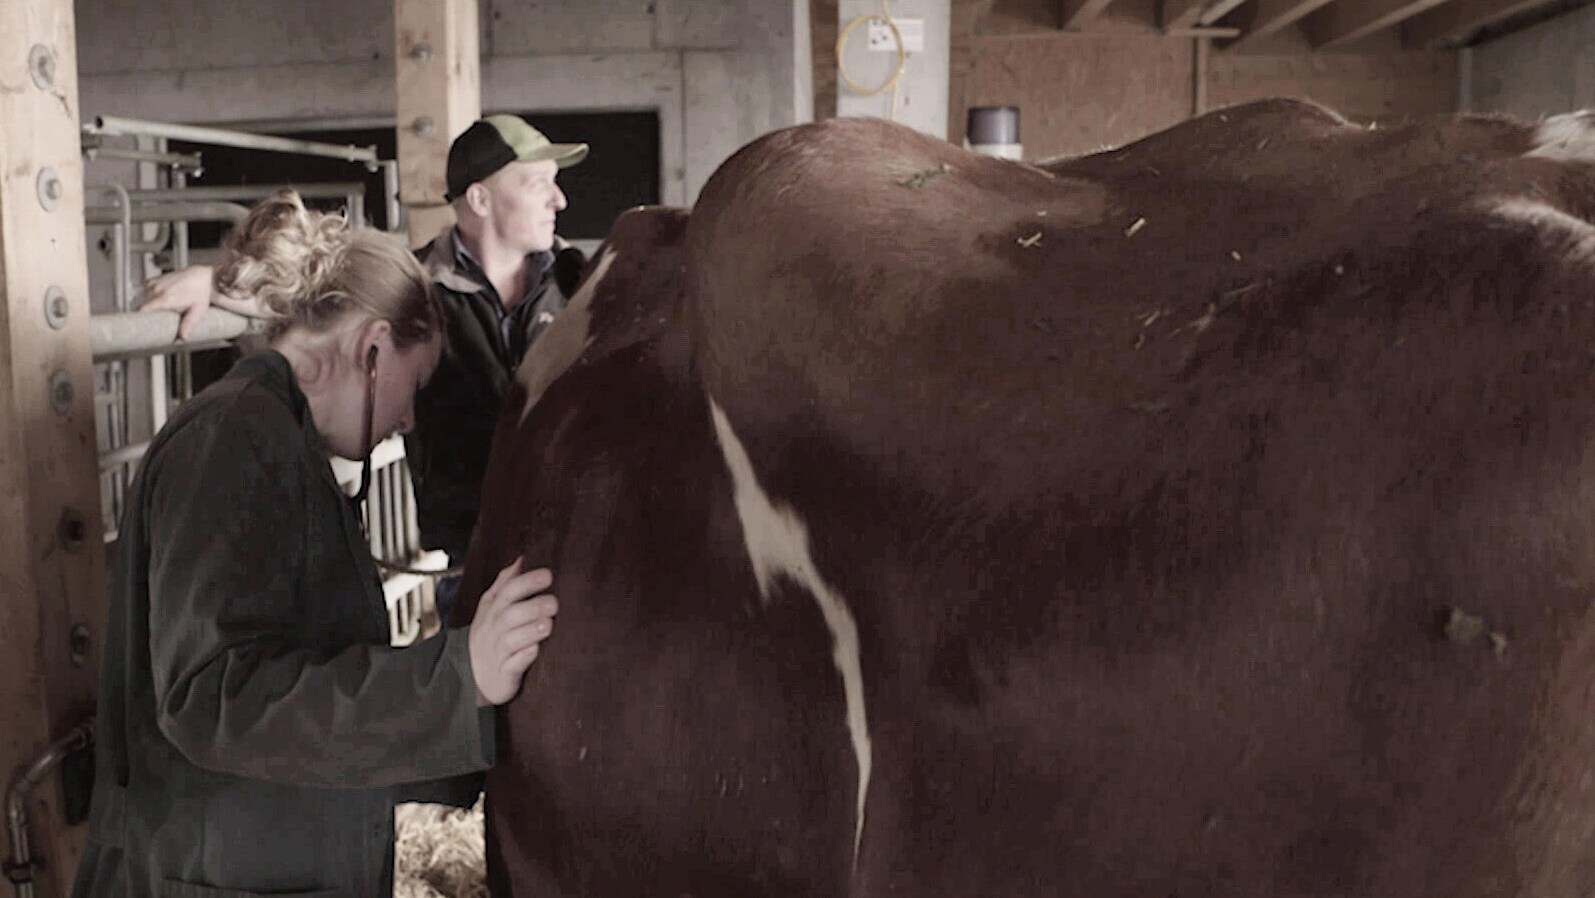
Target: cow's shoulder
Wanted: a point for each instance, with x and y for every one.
(629, 293)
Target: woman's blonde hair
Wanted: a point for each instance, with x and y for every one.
(311, 269)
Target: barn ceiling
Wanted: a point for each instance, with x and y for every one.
(1326, 24)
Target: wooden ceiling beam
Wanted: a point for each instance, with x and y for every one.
(1076, 14)
(1455, 22)
(1174, 14)
(1218, 10)
(1268, 16)
(1344, 21)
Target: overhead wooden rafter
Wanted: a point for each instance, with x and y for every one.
(1175, 14)
(1218, 10)
(1345, 21)
(1265, 17)
(1076, 14)
(1453, 23)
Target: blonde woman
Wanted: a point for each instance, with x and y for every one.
(255, 729)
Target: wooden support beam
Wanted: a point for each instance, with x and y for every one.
(1454, 23)
(438, 73)
(1344, 21)
(52, 571)
(1076, 14)
(1218, 10)
(1176, 14)
(1268, 16)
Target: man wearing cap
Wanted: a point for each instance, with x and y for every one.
(496, 269)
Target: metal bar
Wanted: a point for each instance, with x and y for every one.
(144, 333)
(122, 236)
(390, 194)
(246, 192)
(169, 212)
(326, 123)
(179, 160)
(22, 861)
(106, 124)
(122, 455)
(154, 244)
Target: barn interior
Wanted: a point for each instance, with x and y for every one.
(133, 133)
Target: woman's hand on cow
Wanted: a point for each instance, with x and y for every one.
(185, 291)
(512, 620)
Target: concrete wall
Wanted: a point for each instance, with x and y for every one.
(1542, 70)
(719, 72)
(920, 98)
(1122, 78)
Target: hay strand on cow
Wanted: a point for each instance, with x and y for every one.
(920, 178)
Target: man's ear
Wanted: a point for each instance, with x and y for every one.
(478, 198)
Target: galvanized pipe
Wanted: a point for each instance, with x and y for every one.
(177, 160)
(123, 236)
(106, 124)
(390, 194)
(122, 455)
(147, 333)
(245, 192)
(155, 244)
(169, 212)
(22, 861)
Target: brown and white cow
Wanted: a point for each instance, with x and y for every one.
(1214, 516)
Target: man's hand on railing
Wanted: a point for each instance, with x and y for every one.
(186, 291)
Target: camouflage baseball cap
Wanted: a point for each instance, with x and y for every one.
(496, 141)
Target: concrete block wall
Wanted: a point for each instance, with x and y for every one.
(718, 72)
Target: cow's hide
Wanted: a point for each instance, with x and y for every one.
(1211, 516)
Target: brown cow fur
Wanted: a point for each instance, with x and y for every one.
(1233, 537)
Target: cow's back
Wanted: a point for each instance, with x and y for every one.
(1222, 530)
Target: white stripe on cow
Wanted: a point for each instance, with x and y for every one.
(1570, 136)
(1548, 218)
(778, 543)
(563, 342)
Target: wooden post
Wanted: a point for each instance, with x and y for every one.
(52, 577)
(438, 72)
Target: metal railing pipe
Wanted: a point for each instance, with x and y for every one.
(22, 865)
(147, 333)
(107, 124)
(212, 211)
(178, 160)
(245, 192)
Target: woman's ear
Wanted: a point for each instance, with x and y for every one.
(376, 337)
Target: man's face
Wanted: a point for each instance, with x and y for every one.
(523, 200)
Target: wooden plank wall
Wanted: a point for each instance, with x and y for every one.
(1121, 79)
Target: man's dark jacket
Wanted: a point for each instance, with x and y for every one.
(457, 411)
